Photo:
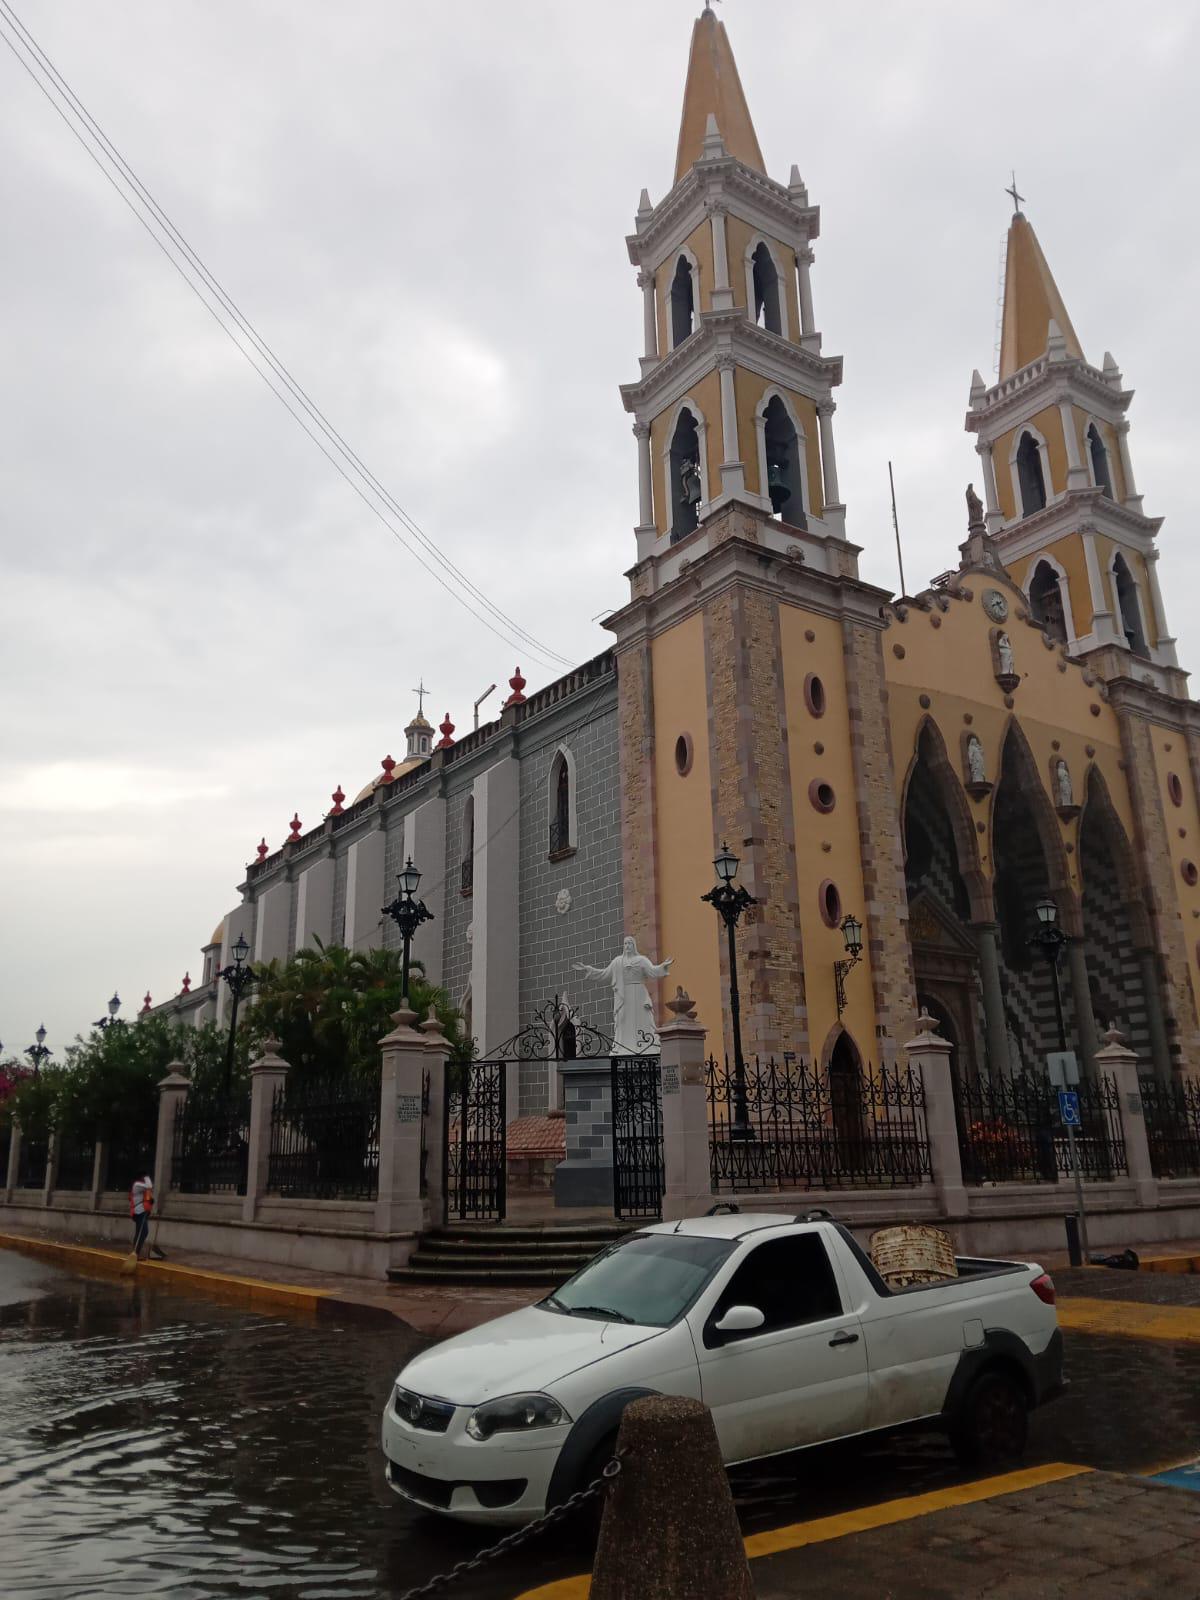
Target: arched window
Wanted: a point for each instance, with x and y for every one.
(785, 483)
(686, 484)
(1099, 460)
(682, 305)
(1046, 601)
(1127, 602)
(1029, 475)
(562, 807)
(468, 846)
(766, 290)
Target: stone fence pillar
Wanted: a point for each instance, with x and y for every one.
(172, 1097)
(1114, 1057)
(437, 1054)
(99, 1168)
(53, 1146)
(267, 1074)
(399, 1208)
(687, 1172)
(14, 1162)
(929, 1053)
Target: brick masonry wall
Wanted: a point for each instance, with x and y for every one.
(591, 929)
(635, 706)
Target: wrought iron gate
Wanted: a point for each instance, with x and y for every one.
(475, 1151)
(637, 1136)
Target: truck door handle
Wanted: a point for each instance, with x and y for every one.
(843, 1338)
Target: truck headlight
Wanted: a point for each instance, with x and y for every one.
(513, 1414)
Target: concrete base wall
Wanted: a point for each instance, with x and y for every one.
(316, 1235)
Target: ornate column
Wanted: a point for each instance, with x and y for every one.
(987, 462)
(733, 475)
(1081, 999)
(829, 478)
(722, 294)
(1166, 642)
(995, 1027)
(1077, 473)
(930, 1055)
(687, 1180)
(267, 1074)
(1103, 622)
(172, 1097)
(804, 261)
(1132, 498)
(641, 432)
(1119, 1062)
(649, 318)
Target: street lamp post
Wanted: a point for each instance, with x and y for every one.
(240, 977)
(1051, 940)
(408, 913)
(114, 1005)
(39, 1053)
(852, 939)
(729, 902)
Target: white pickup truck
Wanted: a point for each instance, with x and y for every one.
(782, 1327)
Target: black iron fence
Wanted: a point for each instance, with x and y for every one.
(5, 1148)
(210, 1149)
(76, 1160)
(793, 1126)
(325, 1140)
(131, 1149)
(1009, 1130)
(31, 1162)
(1172, 1112)
(637, 1136)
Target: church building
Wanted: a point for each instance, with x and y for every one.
(931, 766)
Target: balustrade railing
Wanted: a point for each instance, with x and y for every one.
(325, 1140)
(211, 1146)
(1009, 1130)
(76, 1161)
(794, 1126)
(1172, 1112)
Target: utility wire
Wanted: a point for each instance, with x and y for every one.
(94, 134)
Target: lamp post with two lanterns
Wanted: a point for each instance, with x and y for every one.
(114, 1005)
(39, 1053)
(729, 902)
(408, 913)
(240, 978)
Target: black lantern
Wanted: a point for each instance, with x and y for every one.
(407, 913)
(114, 1005)
(852, 940)
(38, 1053)
(1049, 938)
(729, 903)
(240, 979)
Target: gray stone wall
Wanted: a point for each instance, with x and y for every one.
(456, 952)
(393, 860)
(339, 897)
(293, 917)
(591, 929)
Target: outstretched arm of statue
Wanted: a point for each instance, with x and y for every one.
(588, 972)
(661, 969)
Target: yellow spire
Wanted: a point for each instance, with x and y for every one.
(714, 89)
(1031, 302)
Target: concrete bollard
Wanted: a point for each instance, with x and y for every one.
(670, 1531)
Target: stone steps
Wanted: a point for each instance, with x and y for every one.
(492, 1255)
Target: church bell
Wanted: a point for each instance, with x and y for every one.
(777, 487)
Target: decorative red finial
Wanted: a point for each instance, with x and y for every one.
(263, 850)
(516, 683)
(337, 797)
(187, 984)
(389, 766)
(445, 728)
(145, 1005)
(294, 825)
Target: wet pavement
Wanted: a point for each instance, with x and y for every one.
(155, 1443)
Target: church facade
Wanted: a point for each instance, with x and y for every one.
(932, 765)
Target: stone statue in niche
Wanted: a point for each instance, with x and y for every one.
(634, 1030)
(1004, 655)
(1063, 795)
(976, 763)
(974, 508)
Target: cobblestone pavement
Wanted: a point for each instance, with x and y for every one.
(1101, 1535)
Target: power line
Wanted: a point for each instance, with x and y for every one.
(93, 135)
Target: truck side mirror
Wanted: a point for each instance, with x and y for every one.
(740, 1319)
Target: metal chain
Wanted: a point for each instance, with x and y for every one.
(513, 1541)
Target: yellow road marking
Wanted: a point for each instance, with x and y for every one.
(823, 1529)
(1130, 1319)
(217, 1285)
(1177, 1264)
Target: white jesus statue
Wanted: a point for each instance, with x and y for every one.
(635, 1031)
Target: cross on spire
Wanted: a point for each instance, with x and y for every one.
(1016, 198)
(421, 691)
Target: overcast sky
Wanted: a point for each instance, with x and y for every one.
(423, 209)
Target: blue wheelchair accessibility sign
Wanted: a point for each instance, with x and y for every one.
(1068, 1107)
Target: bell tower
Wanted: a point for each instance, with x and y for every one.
(1062, 505)
(734, 402)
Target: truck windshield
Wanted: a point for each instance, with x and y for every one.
(650, 1278)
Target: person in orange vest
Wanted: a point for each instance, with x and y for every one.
(141, 1208)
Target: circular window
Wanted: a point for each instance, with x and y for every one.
(830, 902)
(1190, 872)
(814, 695)
(683, 754)
(821, 794)
(1174, 788)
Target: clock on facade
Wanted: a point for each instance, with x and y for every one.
(995, 604)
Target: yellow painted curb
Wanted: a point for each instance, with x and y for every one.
(1130, 1319)
(822, 1529)
(217, 1285)
(1178, 1264)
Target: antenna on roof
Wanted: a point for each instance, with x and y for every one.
(491, 689)
(896, 527)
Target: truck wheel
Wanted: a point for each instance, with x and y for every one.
(994, 1423)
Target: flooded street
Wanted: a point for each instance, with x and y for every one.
(153, 1443)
